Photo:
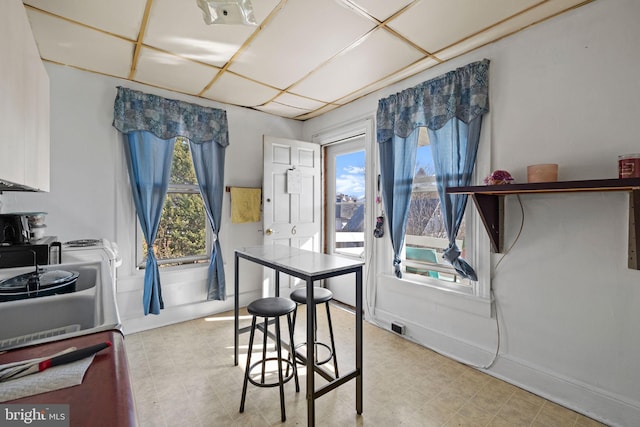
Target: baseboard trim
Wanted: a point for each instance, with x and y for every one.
(456, 349)
(183, 313)
(601, 405)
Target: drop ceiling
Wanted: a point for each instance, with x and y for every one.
(304, 58)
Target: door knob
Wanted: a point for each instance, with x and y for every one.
(268, 232)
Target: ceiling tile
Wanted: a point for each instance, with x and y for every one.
(169, 71)
(282, 110)
(508, 27)
(237, 90)
(298, 101)
(306, 57)
(436, 24)
(121, 17)
(191, 37)
(381, 9)
(396, 77)
(411, 70)
(318, 112)
(71, 44)
(300, 37)
(362, 65)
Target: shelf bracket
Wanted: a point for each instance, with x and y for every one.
(634, 230)
(490, 204)
(491, 209)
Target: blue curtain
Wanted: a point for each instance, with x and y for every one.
(397, 163)
(454, 148)
(451, 107)
(149, 164)
(207, 130)
(208, 160)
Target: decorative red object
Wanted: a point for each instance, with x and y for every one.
(498, 177)
(629, 166)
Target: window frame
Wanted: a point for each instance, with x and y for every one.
(182, 262)
(428, 184)
(478, 255)
(343, 147)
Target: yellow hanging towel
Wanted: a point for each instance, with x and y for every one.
(245, 204)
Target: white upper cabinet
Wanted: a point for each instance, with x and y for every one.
(24, 104)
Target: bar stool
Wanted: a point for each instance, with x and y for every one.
(271, 308)
(320, 295)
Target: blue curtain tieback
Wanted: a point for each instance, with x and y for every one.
(452, 255)
(396, 264)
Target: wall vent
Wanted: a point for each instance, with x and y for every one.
(398, 328)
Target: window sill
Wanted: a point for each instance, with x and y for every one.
(458, 297)
(168, 276)
(170, 268)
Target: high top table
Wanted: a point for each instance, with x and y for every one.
(308, 266)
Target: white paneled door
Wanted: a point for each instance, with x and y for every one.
(291, 198)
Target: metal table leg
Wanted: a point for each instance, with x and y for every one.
(311, 402)
(236, 312)
(359, 340)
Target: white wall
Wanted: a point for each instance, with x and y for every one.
(90, 194)
(565, 91)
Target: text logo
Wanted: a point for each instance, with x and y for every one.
(34, 415)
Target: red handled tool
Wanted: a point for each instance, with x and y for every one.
(73, 356)
(29, 367)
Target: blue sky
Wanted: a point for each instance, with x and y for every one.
(350, 174)
(424, 159)
(350, 170)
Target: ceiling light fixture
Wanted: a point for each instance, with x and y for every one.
(227, 12)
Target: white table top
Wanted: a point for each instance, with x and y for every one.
(305, 262)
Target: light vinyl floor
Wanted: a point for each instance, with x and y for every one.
(183, 375)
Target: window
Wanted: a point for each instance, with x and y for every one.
(348, 191)
(426, 237)
(183, 235)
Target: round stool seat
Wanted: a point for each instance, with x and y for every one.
(271, 307)
(320, 295)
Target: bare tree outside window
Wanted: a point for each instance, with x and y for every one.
(426, 235)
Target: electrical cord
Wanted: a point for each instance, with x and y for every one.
(492, 294)
(495, 300)
(493, 297)
(370, 302)
(515, 240)
(367, 275)
(497, 352)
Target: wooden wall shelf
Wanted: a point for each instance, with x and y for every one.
(489, 200)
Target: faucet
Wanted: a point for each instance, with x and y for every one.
(33, 283)
(11, 233)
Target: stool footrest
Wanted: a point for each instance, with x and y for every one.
(285, 379)
(301, 361)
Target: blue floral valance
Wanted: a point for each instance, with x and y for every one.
(462, 93)
(168, 118)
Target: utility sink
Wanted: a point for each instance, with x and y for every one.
(90, 308)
